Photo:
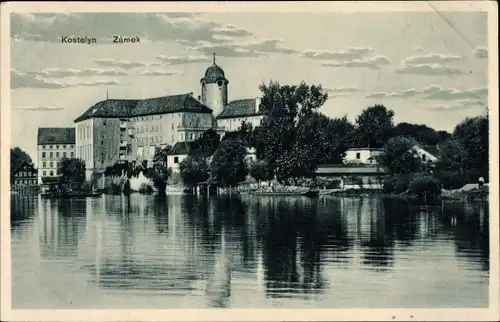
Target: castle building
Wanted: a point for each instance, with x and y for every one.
(117, 130)
(53, 144)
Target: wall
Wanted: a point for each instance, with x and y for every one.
(84, 144)
(234, 124)
(175, 165)
(155, 130)
(106, 142)
(214, 97)
(48, 157)
(364, 155)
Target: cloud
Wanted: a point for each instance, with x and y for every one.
(340, 91)
(179, 60)
(375, 62)
(431, 58)
(252, 48)
(435, 93)
(481, 52)
(68, 72)
(432, 64)
(429, 70)
(32, 79)
(158, 73)
(348, 54)
(103, 26)
(41, 108)
(123, 63)
(460, 105)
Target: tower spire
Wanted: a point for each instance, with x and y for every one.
(214, 58)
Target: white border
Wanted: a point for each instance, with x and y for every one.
(491, 314)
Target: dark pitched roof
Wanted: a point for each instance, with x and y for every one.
(181, 148)
(25, 166)
(114, 108)
(56, 135)
(240, 108)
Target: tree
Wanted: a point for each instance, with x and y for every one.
(374, 126)
(284, 108)
(473, 135)
(71, 174)
(193, 170)
(425, 187)
(420, 132)
(228, 164)
(260, 171)
(17, 158)
(399, 157)
(206, 144)
(160, 171)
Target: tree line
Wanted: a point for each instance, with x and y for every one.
(294, 138)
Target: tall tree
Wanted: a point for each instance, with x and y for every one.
(228, 164)
(194, 169)
(374, 126)
(473, 135)
(71, 171)
(420, 132)
(206, 144)
(18, 157)
(284, 107)
(451, 165)
(399, 157)
(160, 171)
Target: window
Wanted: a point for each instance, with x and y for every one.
(192, 136)
(44, 173)
(57, 146)
(51, 173)
(176, 159)
(44, 155)
(104, 122)
(423, 157)
(72, 154)
(358, 155)
(58, 164)
(51, 164)
(51, 154)
(64, 154)
(182, 137)
(50, 147)
(44, 164)
(64, 146)
(57, 154)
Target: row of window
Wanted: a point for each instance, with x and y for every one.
(51, 164)
(57, 146)
(58, 154)
(159, 139)
(154, 128)
(27, 181)
(25, 174)
(146, 118)
(51, 173)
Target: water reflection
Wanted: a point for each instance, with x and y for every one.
(218, 250)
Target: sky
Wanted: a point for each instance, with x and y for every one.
(428, 67)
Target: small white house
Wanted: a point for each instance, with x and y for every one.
(427, 153)
(362, 155)
(177, 154)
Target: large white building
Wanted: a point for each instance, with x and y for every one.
(53, 144)
(122, 129)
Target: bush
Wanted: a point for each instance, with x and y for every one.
(146, 188)
(113, 185)
(424, 186)
(396, 184)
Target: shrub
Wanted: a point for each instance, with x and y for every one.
(396, 184)
(424, 186)
(146, 188)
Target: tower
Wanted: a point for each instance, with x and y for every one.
(214, 88)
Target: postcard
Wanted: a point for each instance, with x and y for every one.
(254, 161)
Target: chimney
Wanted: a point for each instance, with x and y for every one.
(257, 103)
(199, 98)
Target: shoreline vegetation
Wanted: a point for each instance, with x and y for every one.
(292, 140)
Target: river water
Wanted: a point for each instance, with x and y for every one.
(247, 252)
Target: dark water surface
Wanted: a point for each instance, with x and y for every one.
(247, 252)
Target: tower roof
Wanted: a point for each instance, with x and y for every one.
(213, 73)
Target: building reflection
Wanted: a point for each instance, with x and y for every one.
(22, 208)
(61, 223)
